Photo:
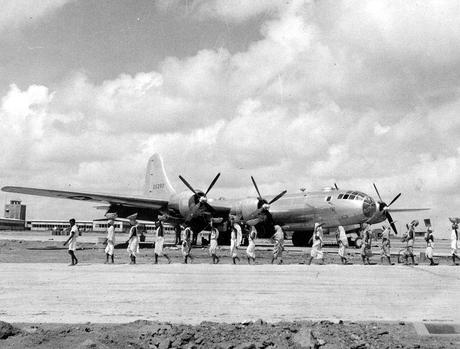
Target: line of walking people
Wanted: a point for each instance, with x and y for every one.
(185, 242)
(316, 252)
(404, 254)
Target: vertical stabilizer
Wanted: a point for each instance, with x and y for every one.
(156, 183)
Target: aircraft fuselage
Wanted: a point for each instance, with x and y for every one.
(332, 207)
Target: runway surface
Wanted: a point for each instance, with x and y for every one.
(226, 293)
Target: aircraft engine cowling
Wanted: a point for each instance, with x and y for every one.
(184, 199)
(189, 206)
(246, 209)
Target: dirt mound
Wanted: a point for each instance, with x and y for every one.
(7, 330)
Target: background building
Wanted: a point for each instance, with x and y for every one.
(43, 225)
(15, 216)
(122, 225)
(15, 210)
(11, 224)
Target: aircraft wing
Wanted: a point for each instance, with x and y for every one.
(125, 200)
(221, 206)
(407, 209)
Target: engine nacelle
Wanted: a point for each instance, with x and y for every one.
(181, 203)
(246, 209)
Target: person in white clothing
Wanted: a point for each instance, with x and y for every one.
(159, 242)
(429, 238)
(213, 244)
(187, 244)
(251, 250)
(454, 243)
(278, 244)
(410, 241)
(385, 248)
(342, 240)
(72, 240)
(110, 248)
(366, 247)
(317, 246)
(234, 241)
(133, 239)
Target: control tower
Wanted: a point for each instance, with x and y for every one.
(15, 210)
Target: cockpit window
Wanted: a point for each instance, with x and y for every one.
(328, 198)
(351, 195)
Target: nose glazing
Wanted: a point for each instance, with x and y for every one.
(369, 207)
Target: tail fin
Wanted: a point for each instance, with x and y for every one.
(156, 183)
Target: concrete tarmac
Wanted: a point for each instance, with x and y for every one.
(56, 293)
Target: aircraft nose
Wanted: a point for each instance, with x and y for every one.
(369, 207)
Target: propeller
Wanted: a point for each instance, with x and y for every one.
(187, 184)
(264, 204)
(200, 198)
(384, 207)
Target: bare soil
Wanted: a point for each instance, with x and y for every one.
(258, 334)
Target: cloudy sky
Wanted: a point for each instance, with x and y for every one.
(295, 93)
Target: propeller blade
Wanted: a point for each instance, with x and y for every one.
(336, 187)
(212, 184)
(257, 189)
(377, 192)
(277, 197)
(390, 220)
(396, 198)
(408, 209)
(188, 185)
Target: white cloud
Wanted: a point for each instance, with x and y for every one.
(16, 13)
(380, 130)
(349, 93)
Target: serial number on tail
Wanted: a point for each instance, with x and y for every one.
(158, 186)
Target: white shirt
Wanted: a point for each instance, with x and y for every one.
(238, 234)
(111, 233)
(252, 235)
(386, 234)
(342, 235)
(453, 239)
(74, 230)
(318, 234)
(214, 234)
(73, 238)
(279, 236)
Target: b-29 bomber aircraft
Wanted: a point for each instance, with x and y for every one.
(295, 212)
